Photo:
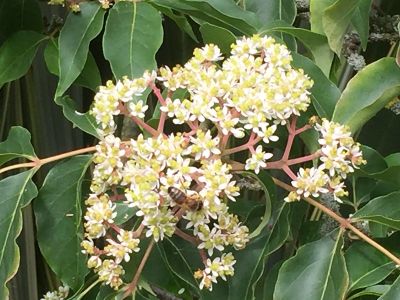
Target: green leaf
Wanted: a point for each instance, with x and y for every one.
(17, 53)
(132, 37)
(368, 92)
(90, 76)
(178, 263)
(394, 292)
(217, 36)
(360, 21)
(180, 20)
(250, 262)
(59, 220)
(268, 11)
(84, 121)
(317, 9)
(366, 266)
(265, 180)
(270, 281)
(17, 144)
(19, 15)
(376, 290)
(317, 271)
(316, 43)
(124, 213)
(384, 210)
(225, 14)
(324, 94)
(75, 36)
(336, 20)
(16, 192)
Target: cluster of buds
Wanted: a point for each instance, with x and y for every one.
(188, 175)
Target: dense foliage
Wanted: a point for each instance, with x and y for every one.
(257, 163)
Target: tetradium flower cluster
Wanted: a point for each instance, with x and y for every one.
(188, 176)
(339, 155)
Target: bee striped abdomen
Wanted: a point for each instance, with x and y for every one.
(177, 195)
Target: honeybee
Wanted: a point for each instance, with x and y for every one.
(191, 202)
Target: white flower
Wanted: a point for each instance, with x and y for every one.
(257, 160)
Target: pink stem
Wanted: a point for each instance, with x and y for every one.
(302, 129)
(303, 159)
(157, 92)
(289, 172)
(292, 133)
(253, 140)
(145, 126)
(161, 123)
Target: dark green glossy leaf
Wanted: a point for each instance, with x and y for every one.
(90, 76)
(83, 121)
(336, 20)
(368, 92)
(360, 21)
(132, 37)
(393, 293)
(250, 262)
(265, 180)
(324, 94)
(376, 290)
(317, 8)
(178, 263)
(180, 20)
(17, 53)
(124, 213)
(19, 15)
(218, 36)
(268, 11)
(384, 210)
(17, 144)
(366, 266)
(316, 43)
(75, 36)
(270, 281)
(59, 220)
(225, 14)
(317, 271)
(16, 192)
(375, 162)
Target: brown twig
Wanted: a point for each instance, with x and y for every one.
(132, 286)
(345, 223)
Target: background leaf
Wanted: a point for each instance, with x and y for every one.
(317, 9)
(317, 271)
(225, 14)
(384, 210)
(250, 262)
(393, 293)
(360, 21)
(17, 144)
(17, 53)
(84, 121)
(90, 76)
(336, 20)
(75, 36)
(59, 220)
(218, 36)
(16, 192)
(368, 92)
(132, 37)
(366, 266)
(19, 15)
(268, 11)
